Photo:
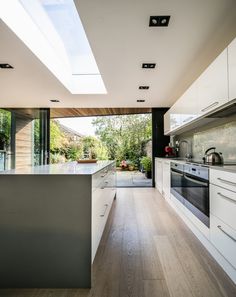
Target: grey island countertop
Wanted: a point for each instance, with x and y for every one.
(69, 168)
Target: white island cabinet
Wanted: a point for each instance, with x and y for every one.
(51, 222)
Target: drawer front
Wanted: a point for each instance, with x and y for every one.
(224, 239)
(223, 179)
(223, 205)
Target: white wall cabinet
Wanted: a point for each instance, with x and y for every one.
(213, 85)
(158, 174)
(232, 69)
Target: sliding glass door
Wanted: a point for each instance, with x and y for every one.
(24, 137)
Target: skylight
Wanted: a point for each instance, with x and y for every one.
(52, 29)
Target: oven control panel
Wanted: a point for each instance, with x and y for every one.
(197, 170)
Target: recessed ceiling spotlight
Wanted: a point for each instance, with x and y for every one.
(159, 21)
(55, 100)
(140, 100)
(143, 87)
(148, 65)
(5, 66)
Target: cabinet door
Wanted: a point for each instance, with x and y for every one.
(158, 174)
(188, 105)
(232, 69)
(213, 85)
(175, 116)
(167, 122)
(166, 179)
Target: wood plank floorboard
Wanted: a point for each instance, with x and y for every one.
(146, 251)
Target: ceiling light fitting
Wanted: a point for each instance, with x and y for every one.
(55, 100)
(159, 21)
(148, 65)
(5, 66)
(141, 100)
(143, 87)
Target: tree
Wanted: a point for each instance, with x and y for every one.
(5, 129)
(93, 148)
(124, 136)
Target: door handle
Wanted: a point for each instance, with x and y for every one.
(196, 181)
(105, 210)
(226, 181)
(222, 230)
(226, 197)
(209, 106)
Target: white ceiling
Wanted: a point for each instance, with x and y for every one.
(121, 41)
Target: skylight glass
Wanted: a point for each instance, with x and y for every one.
(52, 29)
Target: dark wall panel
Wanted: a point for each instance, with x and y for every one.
(159, 140)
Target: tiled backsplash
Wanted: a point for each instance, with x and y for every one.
(221, 135)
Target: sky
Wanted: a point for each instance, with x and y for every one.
(82, 125)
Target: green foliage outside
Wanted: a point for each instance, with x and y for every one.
(5, 129)
(62, 149)
(124, 136)
(117, 138)
(147, 163)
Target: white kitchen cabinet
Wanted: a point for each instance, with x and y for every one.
(212, 85)
(158, 174)
(232, 69)
(222, 213)
(223, 205)
(175, 116)
(188, 106)
(166, 178)
(224, 239)
(104, 183)
(167, 122)
(223, 179)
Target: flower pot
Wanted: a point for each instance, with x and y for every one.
(131, 167)
(148, 174)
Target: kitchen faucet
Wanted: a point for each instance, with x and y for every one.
(188, 155)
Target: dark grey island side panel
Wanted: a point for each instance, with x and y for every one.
(45, 231)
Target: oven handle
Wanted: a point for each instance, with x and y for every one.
(177, 173)
(196, 181)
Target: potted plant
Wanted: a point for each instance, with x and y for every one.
(147, 166)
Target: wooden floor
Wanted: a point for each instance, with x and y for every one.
(147, 251)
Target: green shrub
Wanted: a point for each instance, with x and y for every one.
(147, 163)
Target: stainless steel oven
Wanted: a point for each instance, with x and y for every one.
(190, 185)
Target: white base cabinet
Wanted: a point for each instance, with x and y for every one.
(158, 174)
(103, 193)
(220, 238)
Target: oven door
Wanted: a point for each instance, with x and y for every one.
(195, 191)
(177, 177)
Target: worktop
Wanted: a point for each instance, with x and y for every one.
(62, 168)
(224, 167)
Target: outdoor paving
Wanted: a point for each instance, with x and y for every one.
(132, 179)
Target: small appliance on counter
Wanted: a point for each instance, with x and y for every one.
(212, 158)
(169, 150)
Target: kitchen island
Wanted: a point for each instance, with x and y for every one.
(51, 221)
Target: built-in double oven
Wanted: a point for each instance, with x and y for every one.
(190, 185)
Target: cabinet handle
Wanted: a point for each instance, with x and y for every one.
(222, 230)
(225, 197)
(106, 206)
(226, 181)
(209, 106)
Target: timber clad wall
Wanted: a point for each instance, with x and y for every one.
(23, 142)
